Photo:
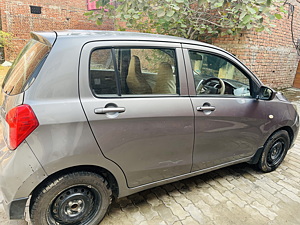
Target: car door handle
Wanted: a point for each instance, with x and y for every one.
(108, 110)
(209, 108)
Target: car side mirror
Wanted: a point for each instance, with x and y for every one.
(266, 93)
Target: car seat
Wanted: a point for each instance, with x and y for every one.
(165, 82)
(136, 83)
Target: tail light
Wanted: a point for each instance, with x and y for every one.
(21, 121)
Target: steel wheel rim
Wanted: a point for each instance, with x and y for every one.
(76, 205)
(275, 153)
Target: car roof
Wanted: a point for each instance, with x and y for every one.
(99, 35)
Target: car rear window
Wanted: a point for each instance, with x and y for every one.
(25, 67)
(134, 71)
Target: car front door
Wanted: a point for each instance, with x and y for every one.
(228, 118)
(136, 101)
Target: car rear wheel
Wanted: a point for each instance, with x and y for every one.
(274, 151)
(78, 198)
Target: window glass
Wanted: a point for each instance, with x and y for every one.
(216, 75)
(102, 72)
(26, 67)
(134, 71)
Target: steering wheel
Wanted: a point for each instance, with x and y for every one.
(208, 89)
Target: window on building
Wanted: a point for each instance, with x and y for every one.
(92, 4)
(35, 9)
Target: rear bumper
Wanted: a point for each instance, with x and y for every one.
(20, 173)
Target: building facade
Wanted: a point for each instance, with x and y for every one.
(273, 57)
(23, 16)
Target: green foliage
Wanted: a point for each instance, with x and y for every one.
(193, 19)
(5, 38)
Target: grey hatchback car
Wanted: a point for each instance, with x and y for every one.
(89, 116)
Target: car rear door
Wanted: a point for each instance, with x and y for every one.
(145, 128)
(229, 127)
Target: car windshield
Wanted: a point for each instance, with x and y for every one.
(25, 67)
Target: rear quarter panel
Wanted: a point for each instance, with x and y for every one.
(63, 138)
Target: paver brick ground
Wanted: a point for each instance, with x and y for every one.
(234, 195)
(237, 194)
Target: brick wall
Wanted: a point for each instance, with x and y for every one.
(272, 57)
(55, 15)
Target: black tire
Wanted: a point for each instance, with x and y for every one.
(77, 198)
(275, 150)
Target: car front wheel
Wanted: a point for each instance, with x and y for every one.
(274, 151)
(77, 198)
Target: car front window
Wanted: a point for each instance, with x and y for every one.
(216, 75)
